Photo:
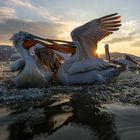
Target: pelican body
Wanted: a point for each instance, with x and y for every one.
(130, 64)
(76, 71)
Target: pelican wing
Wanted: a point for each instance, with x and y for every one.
(17, 65)
(88, 65)
(94, 31)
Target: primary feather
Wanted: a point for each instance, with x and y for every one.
(89, 34)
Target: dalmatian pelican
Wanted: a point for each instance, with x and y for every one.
(126, 60)
(84, 67)
(32, 73)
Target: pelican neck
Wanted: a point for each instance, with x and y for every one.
(25, 54)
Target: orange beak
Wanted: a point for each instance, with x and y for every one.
(32, 40)
(64, 48)
(29, 43)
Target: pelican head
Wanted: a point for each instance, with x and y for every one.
(19, 37)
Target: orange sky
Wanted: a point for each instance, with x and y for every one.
(46, 20)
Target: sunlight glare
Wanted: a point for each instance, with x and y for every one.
(97, 52)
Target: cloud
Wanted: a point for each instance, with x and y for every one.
(130, 27)
(28, 9)
(136, 44)
(46, 14)
(44, 29)
(129, 37)
(23, 3)
(37, 9)
(130, 31)
(6, 13)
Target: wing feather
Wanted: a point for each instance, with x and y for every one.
(96, 29)
(89, 65)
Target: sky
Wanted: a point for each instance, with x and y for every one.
(57, 18)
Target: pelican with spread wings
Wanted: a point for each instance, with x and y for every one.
(84, 67)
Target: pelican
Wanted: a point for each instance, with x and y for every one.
(125, 60)
(32, 74)
(84, 66)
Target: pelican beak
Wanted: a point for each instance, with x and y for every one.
(129, 58)
(34, 37)
(52, 41)
(31, 40)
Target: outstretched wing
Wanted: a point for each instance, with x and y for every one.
(89, 34)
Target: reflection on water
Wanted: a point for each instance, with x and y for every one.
(71, 117)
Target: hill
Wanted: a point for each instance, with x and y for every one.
(7, 52)
(115, 55)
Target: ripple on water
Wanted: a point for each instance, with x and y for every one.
(82, 119)
(70, 132)
(127, 120)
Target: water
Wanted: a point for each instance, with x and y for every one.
(71, 117)
(97, 112)
(127, 121)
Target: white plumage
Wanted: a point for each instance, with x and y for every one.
(84, 67)
(32, 73)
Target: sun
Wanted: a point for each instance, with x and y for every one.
(97, 52)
